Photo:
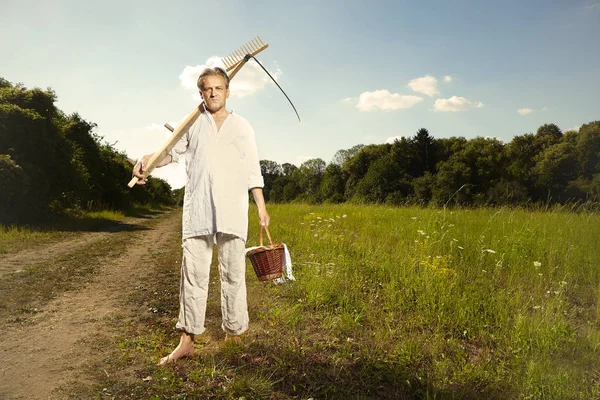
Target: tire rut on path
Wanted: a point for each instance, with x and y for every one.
(39, 360)
(20, 261)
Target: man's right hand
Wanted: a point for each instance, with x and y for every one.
(140, 168)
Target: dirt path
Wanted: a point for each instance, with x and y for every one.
(23, 259)
(38, 360)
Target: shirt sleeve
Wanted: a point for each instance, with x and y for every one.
(255, 178)
(180, 148)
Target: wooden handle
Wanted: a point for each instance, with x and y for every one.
(260, 235)
(166, 148)
(177, 134)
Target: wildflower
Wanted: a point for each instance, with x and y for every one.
(540, 274)
(421, 232)
(490, 251)
(337, 216)
(537, 264)
(318, 217)
(316, 234)
(416, 241)
(413, 217)
(483, 270)
(460, 247)
(344, 216)
(537, 307)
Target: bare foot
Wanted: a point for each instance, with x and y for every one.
(185, 348)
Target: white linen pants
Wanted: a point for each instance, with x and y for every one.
(195, 273)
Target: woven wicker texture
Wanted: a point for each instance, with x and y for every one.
(267, 260)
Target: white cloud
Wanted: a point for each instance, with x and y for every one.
(575, 128)
(447, 78)
(455, 103)
(385, 100)
(248, 81)
(349, 100)
(544, 108)
(426, 84)
(392, 139)
(525, 111)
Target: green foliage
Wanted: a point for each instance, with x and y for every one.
(53, 164)
(546, 167)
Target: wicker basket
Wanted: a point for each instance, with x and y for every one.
(267, 260)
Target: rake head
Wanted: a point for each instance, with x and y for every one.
(253, 47)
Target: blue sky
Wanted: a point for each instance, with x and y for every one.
(357, 71)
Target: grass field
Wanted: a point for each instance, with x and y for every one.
(394, 303)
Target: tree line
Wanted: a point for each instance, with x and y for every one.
(549, 166)
(53, 164)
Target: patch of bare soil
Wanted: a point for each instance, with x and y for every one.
(39, 359)
(18, 262)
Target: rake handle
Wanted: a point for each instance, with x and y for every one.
(177, 134)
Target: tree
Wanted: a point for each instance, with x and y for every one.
(341, 156)
(422, 146)
(308, 178)
(270, 171)
(587, 148)
(333, 184)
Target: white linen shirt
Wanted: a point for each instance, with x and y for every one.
(221, 168)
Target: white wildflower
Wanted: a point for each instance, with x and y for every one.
(413, 217)
(344, 216)
(490, 251)
(537, 307)
(460, 247)
(421, 232)
(537, 264)
(540, 274)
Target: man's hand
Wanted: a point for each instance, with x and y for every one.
(140, 168)
(263, 217)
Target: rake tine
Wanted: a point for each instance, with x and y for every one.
(253, 47)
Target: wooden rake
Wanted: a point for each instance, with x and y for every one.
(234, 61)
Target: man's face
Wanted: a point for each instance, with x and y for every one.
(214, 92)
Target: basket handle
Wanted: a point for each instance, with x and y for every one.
(260, 236)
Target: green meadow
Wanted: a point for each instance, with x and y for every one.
(395, 303)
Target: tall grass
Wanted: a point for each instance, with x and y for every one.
(394, 303)
(500, 302)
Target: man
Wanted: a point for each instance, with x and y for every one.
(222, 165)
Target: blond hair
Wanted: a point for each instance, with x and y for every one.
(213, 71)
